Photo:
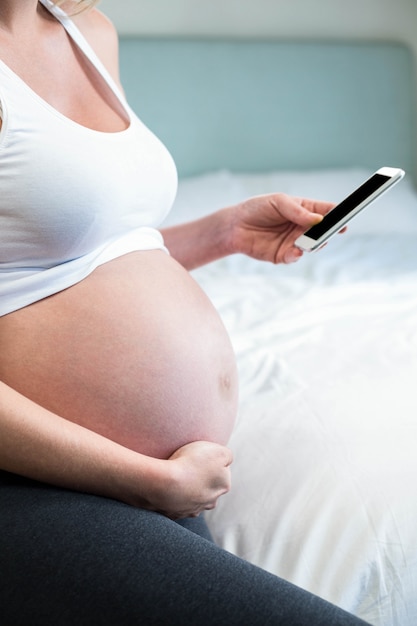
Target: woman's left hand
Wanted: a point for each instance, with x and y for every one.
(266, 227)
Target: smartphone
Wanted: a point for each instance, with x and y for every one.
(337, 218)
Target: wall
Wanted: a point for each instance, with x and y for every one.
(328, 19)
(307, 19)
(380, 19)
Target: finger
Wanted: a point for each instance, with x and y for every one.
(228, 457)
(317, 206)
(292, 255)
(295, 211)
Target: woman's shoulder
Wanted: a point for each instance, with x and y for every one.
(102, 36)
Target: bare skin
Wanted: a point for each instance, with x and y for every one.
(149, 366)
(129, 392)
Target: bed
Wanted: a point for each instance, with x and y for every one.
(325, 472)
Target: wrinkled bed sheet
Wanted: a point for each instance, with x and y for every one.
(325, 472)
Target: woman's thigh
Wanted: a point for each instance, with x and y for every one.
(70, 558)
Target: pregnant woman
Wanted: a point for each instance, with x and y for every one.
(118, 387)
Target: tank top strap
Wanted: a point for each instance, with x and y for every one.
(84, 46)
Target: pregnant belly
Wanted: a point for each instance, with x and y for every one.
(135, 352)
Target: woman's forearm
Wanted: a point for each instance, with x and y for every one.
(41, 445)
(201, 241)
(263, 227)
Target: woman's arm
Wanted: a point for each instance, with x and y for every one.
(43, 446)
(263, 227)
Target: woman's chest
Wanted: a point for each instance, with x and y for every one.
(67, 189)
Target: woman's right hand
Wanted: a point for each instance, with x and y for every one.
(193, 479)
(41, 445)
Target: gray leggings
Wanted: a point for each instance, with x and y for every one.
(68, 558)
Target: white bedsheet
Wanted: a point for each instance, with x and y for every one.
(325, 472)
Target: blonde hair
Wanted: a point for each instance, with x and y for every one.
(77, 5)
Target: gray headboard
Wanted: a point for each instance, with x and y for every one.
(264, 105)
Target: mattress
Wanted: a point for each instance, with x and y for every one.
(325, 472)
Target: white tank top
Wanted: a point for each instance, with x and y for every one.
(72, 198)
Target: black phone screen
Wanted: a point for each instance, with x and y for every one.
(346, 206)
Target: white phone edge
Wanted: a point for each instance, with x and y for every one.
(306, 244)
